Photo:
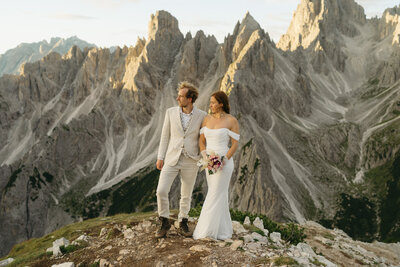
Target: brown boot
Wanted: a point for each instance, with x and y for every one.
(184, 228)
(165, 225)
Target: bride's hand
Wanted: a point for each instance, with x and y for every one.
(204, 154)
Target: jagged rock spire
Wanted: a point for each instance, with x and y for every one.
(162, 22)
(314, 18)
(243, 32)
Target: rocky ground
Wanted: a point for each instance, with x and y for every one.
(130, 241)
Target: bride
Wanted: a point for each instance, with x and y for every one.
(217, 129)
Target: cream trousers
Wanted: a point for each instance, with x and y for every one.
(187, 168)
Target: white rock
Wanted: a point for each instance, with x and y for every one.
(258, 223)
(325, 261)
(236, 244)
(257, 236)
(238, 228)
(129, 233)
(6, 262)
(82, 238)
(305, 248)
(65, 264)
(50, 249)
(199, 248)
(138, 227)
(296, 253)
(276, 237)
(253, 247)
(56, 251)
(266, 232)
(248, 238)
(61, 242)
(221, 244)
(108, 247)
(340, 232)
(146, 226)
(103, 232)
(323, 240)
(247, 221)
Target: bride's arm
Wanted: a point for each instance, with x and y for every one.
(235, 143)
(202, 139)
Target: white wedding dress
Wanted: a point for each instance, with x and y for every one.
(215, 219)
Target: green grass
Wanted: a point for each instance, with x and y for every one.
(282, 260)
(254, 229)
(317, 262)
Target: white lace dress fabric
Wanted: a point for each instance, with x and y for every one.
(215, 220)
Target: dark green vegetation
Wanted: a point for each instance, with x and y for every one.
(357, 217)
(373, 89)
(389, 212)
(13, 177)
(133, 194)
(138, 194)
(289, 232)
(36, 180)
(372, 211)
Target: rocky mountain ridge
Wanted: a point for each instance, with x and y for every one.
(318, 121)
(13, 59)
(127, 240)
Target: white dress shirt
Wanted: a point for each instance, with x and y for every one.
(185, 118)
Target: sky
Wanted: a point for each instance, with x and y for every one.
(107, 23)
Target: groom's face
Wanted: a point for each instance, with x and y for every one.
(183, 101)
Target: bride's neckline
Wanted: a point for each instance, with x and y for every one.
(216, 128)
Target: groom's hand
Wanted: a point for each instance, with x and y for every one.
(160, 164)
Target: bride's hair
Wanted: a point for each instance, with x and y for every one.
(221, 97)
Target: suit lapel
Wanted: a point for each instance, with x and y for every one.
(178, 119)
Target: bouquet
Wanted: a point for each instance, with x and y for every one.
(213, 162)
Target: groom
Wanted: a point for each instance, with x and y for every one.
(178, 154)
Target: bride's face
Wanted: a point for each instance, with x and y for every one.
(215, 107)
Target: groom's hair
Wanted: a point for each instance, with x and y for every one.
(192, 92)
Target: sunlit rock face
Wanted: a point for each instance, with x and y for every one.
(318, 116)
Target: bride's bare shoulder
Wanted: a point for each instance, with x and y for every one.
(206, 118)
(233, 123)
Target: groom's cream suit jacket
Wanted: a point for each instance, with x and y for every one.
(175, 141)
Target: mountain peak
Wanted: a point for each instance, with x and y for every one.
(161, 22)
(242, 33)
(249, 21)
(321, 17)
